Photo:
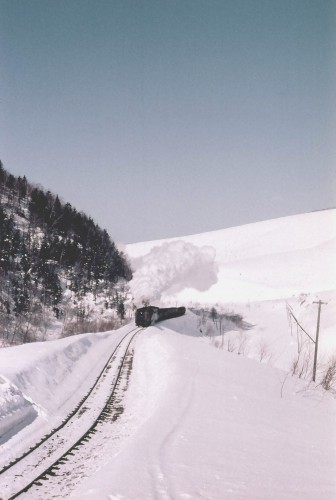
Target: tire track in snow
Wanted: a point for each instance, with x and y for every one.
(164, 482)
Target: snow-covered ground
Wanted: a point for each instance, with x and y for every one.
(213, 425)
(199, 421)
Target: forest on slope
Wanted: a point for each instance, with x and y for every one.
(52, 257)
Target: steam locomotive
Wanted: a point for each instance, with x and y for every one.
(146, 316)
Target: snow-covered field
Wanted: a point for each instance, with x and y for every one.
(199, 421)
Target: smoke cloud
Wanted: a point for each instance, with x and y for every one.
(171, 267)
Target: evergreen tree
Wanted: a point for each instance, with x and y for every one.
(2, 174)
(6, 235)
(56, 248)
(10, 182)
(121, 310)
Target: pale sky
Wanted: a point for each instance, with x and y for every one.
(167, 118)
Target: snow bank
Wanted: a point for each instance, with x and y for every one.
(15, 409)
(49, 378)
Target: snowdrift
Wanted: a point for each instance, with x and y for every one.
(47, 379)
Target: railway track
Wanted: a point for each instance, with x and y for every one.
(43, 460)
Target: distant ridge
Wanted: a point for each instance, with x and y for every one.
(323, 209)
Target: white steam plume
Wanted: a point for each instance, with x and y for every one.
(171, 267)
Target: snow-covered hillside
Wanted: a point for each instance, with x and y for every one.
(213, 410)
(255, 270)
(262, 261)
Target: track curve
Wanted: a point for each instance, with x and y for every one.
(51, 445)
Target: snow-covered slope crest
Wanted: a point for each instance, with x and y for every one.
(265, 260)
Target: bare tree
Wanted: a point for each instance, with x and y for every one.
(264, 351)
(328, 381)
(242, 342)
(231, 346)
(302, 363)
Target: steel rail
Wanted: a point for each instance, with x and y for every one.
(85, 437)
(69, 416)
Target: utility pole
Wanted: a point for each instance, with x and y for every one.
(317, 336)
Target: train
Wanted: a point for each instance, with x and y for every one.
(149, 315)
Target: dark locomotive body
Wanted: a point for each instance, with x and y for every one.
(146, 316)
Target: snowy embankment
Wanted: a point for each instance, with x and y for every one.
(15, 409)
(210, 424)
(43, 381)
